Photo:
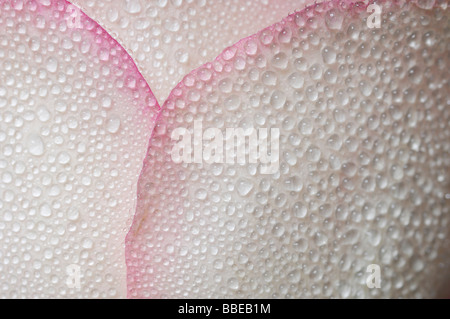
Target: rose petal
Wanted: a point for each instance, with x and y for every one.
(363, 173)
(75, 119)
(169, 38)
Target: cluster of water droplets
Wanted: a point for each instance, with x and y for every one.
(75, 117)
(169, 38)
(363, 175)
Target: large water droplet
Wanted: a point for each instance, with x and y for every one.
(113, 124)
(132, 6)
(35, 145)
(244, 187)
(45, 210)
(334, 19)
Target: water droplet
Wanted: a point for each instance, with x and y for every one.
(52, 65)
(171, 24)
(278, 230)
(73, 213)
(45, 210)
(280, 60)
(232, 103)
(296, 80)
(425, 4)
(35, 145)
(244, 187)
(278, 99)
(103, 54)
(315, 71)
(181, 56)
(294, 276)
(87, 243)
(320, 239)
(132, 6)
(293, 183)
(233, 283)
(299, 210)
(334, 19)
(106, 101)
(305, 127)
(251, 47)
(285, 35)
(63, 158)
(328, 55)
(113, 124)
(34, 44)
(269, 78)
(201, 194)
